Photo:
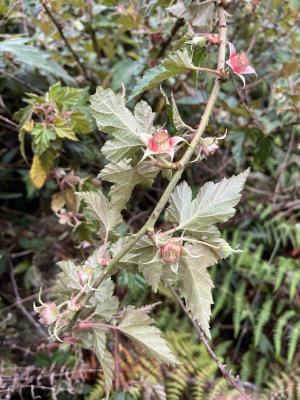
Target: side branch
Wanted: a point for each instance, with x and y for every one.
(227, 375)
(67, 43)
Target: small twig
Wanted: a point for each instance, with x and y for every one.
(11, 76)
(227, 375)
(20, 306)
(67, 43)
(91, 30)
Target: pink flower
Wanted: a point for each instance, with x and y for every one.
(212, 38)
(49, 314)
(239, 63)
(161, 143)
(171, 252)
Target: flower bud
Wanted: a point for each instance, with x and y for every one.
(49, 314)
(171, 252)
(208, 146)
(84, 274)
(212, 38)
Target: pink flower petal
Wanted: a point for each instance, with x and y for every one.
(248, 70)
(175, 140)
(232, 51)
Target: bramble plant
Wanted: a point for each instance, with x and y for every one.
(175, 251)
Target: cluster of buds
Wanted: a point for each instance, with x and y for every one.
(161, 143)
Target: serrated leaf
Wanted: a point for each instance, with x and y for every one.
(65, 97)
(176, 63)
(41, 138)
(113, 117)
(198, 13)
(101, 208)
(63, 129)
(153, 273)
(214, 203)
(137, 325)
(125, 178)
(96, 341)
(196, 286)
(145, 117)
(38, 172)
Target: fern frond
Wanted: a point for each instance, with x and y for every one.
(260, 371)
(262, 319)
(239, 308)
(278, 331)
(98, 390)
(293, 340)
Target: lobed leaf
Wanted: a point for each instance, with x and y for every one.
(137, 325)
(113, 117)
(101, 208)
(125, 178)
(214, 203)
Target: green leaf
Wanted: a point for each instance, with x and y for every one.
(41, 138)
(214, 203)
(80, 122)
(125, 178)
(176, 63)
(113, 117)
(63, 129)
(198, 13)
(99, 205)
(65, 97)
(34, 58)
(137, 325)
(196, 286)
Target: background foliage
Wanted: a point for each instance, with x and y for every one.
(53, 56)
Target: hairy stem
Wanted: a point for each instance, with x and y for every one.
(227, 375)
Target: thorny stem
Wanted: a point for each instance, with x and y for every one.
(149, 225)
(67, 43)
(227, 375)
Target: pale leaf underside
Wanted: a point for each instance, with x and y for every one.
(137, 325)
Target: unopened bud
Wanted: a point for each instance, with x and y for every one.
(84, 274)
(49, 314)
(171, 252)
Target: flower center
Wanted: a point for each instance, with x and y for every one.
(241, 61)
(160, 141)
